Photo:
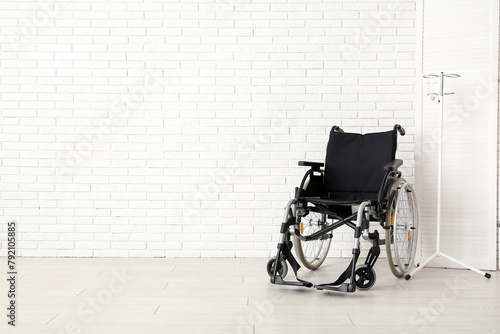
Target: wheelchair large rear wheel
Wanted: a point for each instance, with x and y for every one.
(312, 253)
(401, 228)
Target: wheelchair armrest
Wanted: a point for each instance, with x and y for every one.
(313, 165)
(393, 165)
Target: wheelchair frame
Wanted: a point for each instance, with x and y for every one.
(368, 209)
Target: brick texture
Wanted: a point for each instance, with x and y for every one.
(173, 128)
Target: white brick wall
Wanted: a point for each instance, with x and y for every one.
(173, 128)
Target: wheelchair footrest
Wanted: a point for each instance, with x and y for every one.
(344, 287)
(279, 280)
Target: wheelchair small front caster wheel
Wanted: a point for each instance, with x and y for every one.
(282, 267)
(364, 278)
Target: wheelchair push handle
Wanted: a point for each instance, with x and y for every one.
(337, 128)
(399, 129)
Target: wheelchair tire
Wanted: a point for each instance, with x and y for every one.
(282, 267)
(312, 253)
(364, 278)
(401, 228)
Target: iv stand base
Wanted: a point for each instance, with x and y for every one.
(440, 254)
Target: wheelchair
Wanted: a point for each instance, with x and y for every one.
(359, 183)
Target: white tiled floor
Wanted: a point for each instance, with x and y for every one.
(234, 296)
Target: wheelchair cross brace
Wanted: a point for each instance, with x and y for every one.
(284, 249)
(319, 234)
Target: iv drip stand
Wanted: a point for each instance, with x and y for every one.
(438, 252)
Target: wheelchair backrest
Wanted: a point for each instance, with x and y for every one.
(354, 165)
